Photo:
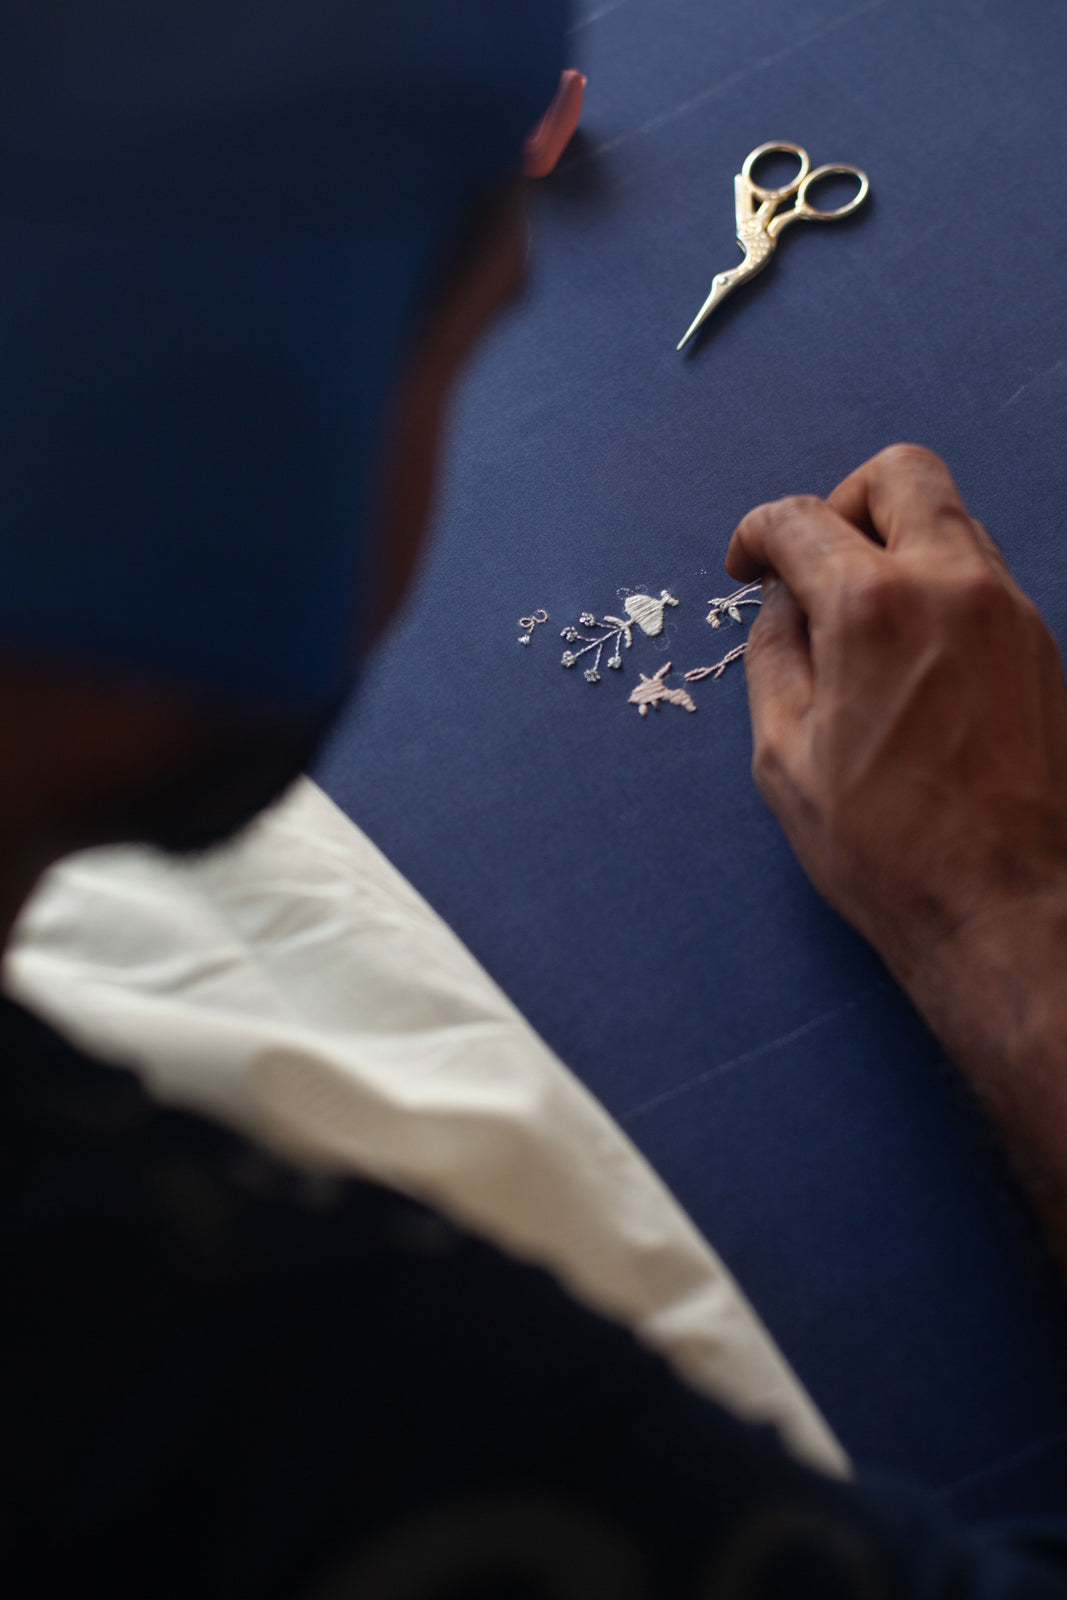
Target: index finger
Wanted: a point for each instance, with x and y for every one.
(806, 542)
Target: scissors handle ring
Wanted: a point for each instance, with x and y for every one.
(806, 209)
(788, 149)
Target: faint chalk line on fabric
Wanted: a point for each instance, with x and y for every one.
(732, 81)
(771, 1046)
(1049, 372)
(1002, 1464)
(595, 16)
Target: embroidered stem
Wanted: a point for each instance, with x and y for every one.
(699, 673)
(618, 635)
(642, 611)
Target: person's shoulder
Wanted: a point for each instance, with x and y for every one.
(319, 1354)
(84, 1140)
(104, 1182)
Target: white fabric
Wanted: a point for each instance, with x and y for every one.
(296, 987)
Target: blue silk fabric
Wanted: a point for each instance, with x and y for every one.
(621, 877)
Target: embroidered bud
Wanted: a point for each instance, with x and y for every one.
(587, 619)
(524, 638)
(568, 658)
(615, 663)
(592, 675)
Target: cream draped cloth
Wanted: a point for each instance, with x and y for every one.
(295, 986)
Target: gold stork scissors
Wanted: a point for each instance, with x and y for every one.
(760, 223)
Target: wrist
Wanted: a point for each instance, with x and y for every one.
(994, 991)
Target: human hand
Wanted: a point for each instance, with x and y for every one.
(909, 712)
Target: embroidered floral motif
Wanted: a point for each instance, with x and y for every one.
(730, 605)
(616, 634)
(642, 611)
(654, 692)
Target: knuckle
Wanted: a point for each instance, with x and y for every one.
(766, 763)
(915, 471)
(949, 511)
(869, 604)
(905, 457)
(777, 758)
(752, 525)
(797, 506)
(776, 513)
(979, 591)
(888, 598)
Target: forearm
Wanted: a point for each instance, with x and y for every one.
(909, 715)
(995, 994)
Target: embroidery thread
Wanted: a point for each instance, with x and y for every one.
(730, 605)
(528, 624)
(641, 610)
(727, 606)
(654, 692)
(699, 673)
(614, 634)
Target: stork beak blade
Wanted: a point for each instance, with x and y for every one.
(719, 290)
(693, 326)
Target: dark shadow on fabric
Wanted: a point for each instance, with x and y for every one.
(582, 175)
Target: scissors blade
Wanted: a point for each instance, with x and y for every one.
(722, 284)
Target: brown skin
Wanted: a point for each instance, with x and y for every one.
(909, 719)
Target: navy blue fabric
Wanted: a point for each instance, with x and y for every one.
(219, 225)
(621, 878)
